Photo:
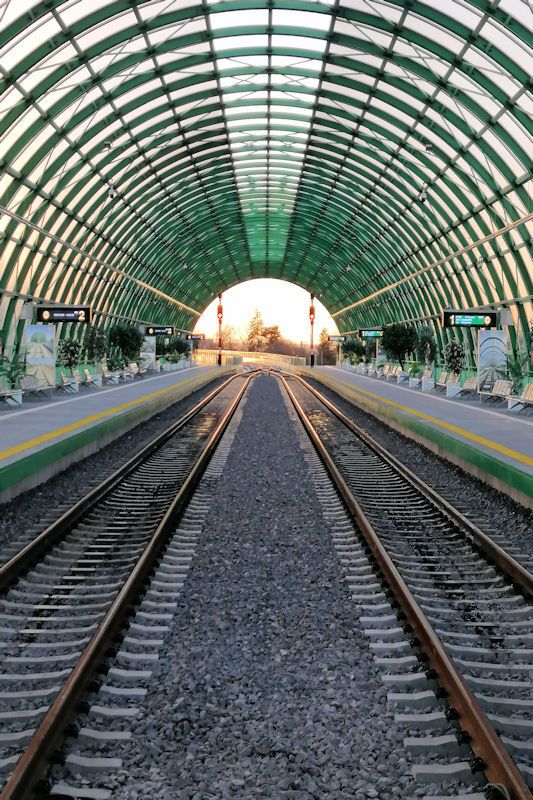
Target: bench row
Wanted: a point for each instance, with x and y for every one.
(449, 383)
(30, 385)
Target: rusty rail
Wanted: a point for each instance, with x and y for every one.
(49, 735)
(498, 766)
(520, 576)
(36, 549)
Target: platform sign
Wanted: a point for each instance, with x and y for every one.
(370, 333)
(195, 337)
(64, 314)
(469, 319)
(336, 338)
(160, 330)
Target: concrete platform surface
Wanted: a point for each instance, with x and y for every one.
(39, 440)
(494, 445)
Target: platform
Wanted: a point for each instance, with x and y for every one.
(493, 445)
(46, 436)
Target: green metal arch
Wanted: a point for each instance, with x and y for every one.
(227, 190)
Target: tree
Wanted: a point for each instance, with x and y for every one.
(324, 348)
(69, 353)
(271, 335)
(127, 338)
(95, 344)
(255, 339)
(454, 357)
(323, 342)
(426, 348)
(398, 340)
(228, 337)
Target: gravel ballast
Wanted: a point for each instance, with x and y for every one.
(266, 687)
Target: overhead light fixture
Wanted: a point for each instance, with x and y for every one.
(112, 192)
(423, 196)
(429, 147)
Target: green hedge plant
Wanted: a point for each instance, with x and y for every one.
(128, 339)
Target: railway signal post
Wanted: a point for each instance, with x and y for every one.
(311, 323)
(219, 317)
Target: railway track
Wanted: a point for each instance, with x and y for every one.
(449, 617)
(67, 595)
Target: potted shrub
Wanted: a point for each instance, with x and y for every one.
(115, 361)
(454, 358)
(515, 370)
(354, 349)
(12, 371)
(426, 348)
(416, 370)
(69, 355)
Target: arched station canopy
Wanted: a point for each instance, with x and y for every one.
(375, 152)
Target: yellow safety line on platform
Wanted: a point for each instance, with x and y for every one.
(46, 437)
(500, 448)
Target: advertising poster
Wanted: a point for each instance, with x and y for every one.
(40, 341)
(148, 354)
(492, 358)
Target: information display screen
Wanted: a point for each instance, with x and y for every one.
(64, 314)
(469, 319)
(370, 333)
(160, 330)
(337, 338)
(192, 337)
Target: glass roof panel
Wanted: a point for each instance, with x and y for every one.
(253, 137)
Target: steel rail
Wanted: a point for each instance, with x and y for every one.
(49, 735)
(520, 576)
(497, 764)
(34, 550)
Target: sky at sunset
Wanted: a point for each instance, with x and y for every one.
(279, 302)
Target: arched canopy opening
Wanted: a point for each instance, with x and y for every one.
(156, 152)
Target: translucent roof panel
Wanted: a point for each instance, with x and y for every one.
(180, 148)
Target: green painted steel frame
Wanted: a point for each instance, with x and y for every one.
(343, 214)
